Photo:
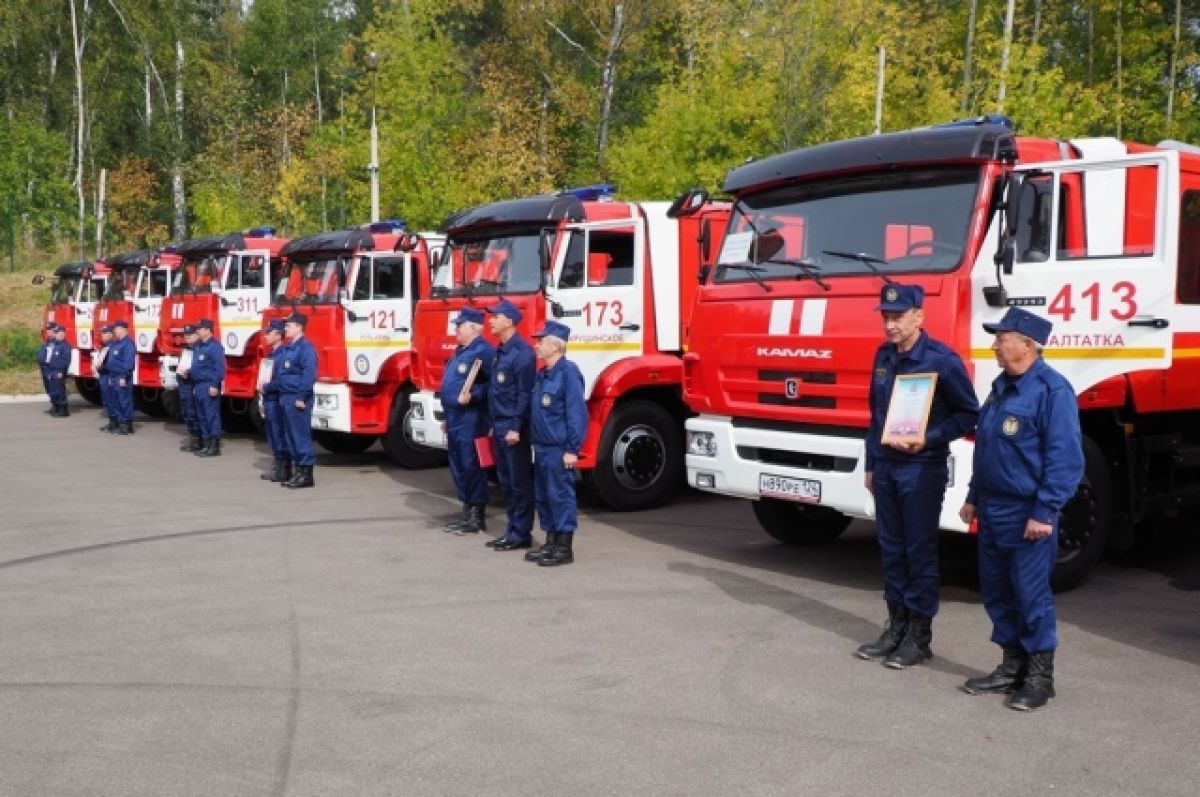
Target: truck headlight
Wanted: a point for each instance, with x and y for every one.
(702, 444)
(418, 411)
(326, 402)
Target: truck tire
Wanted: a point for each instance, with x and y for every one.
(170, 402)
(398, 443)
(639, 461)
(342, 443)
(235, 414)
(1084, 524)
(149, 401)
(89, 389)
(799, 524)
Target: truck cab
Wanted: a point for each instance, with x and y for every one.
(358, 288)
(138, 283)
(620, 275)
(1086, 232)
(230, 280)
(74, 291)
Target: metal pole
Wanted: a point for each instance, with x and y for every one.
(1008, 30)
(373, 166)
(12, 235)
(879, 89)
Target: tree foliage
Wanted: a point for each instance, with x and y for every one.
(260, 111)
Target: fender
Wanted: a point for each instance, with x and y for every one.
(648, 370)
(397, 369)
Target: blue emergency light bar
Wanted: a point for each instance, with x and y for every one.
(260, 232)
(591, 193)
(989, 119)
(386, 226)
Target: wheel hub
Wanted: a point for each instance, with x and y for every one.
(639, 457)
(1077, 524)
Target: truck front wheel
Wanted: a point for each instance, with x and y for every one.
(89, 389)
(639, 461)
(398, 442)
(342, 443)
(1083, 526)
(799, 524)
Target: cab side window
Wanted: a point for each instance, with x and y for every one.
(1188, 276)
(597, 258)
(254, 272)
(389, 278)
(362, 281)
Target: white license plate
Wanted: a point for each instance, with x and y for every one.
(804, 490)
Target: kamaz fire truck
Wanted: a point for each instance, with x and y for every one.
(75, 289)
(621, 276)
(228, 279)
(138, 282)
(1099, 236)
(357, 288)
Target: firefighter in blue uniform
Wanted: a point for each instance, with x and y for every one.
(908, 480)
(273, 414)
(559, 426)
(514, 369)
(54, 360)
(1028, 462)
(187, 391)
(100, 362)
(466, 414)
(208, 372)
(296, 370)
(121, 360)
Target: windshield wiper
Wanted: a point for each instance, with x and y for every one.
(753, 271)
(867, 260)
(807, 268)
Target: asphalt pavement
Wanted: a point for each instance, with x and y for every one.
(171, 625)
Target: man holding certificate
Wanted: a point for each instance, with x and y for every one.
(920, 399)
(464, 400)
(207, 373)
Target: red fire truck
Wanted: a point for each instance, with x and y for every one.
(138, 282)
(1099, 236)
(75, 289)
(621, 275)
(228, 279)
(357, 288)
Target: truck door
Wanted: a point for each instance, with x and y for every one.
(379, 321)
(152, 286)
(1095, 255)
(244, 297)
(596, 290)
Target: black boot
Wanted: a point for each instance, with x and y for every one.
(124, 428)
(560, 554)
(212, 448)
(536, 556)
(460, 521)
(193, 443)
(303, 478)
(1038, 686)
(110, 427)
(60, 412)
(512, 544)
(889, 640)
(474, 522)
(1008, 676)
(914, 647)
(275, 474)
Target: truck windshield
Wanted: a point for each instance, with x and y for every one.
(312, 281)
(198, 275)
(503, 263)
(120, 286)
(904, 222)
(64, 290)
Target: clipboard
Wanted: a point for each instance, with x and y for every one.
(472, 375)
(485, 451)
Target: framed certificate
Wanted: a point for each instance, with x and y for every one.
(908, 412)
(266, 368)
(185, 360)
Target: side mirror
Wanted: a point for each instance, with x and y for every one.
(706, 241)
(407, 242)
(687, 203)
(1012, 201)
(1007, 255)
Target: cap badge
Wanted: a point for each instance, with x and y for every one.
(892, 294)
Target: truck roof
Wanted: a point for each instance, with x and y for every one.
(530, 210)
(77, 269)
(222, 243)
(134, 259)
(335, 241)
(981, 142)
